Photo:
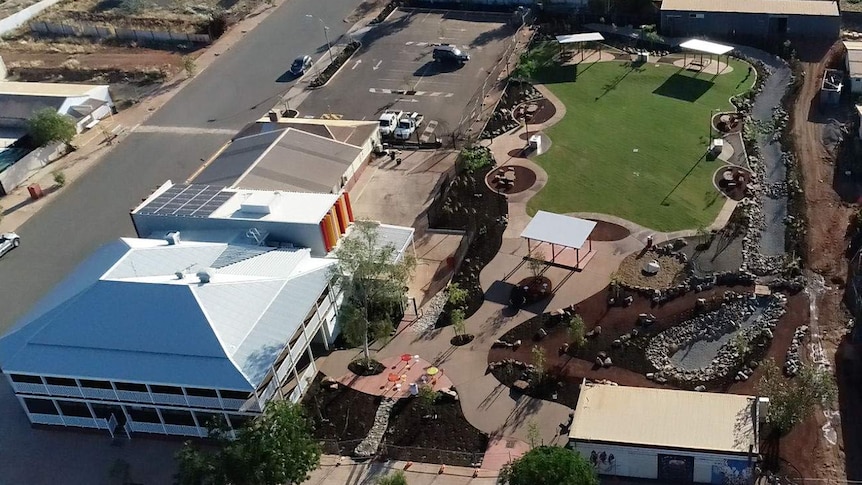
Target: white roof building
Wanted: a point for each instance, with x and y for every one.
(668, 435)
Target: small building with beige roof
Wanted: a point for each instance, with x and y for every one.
(667, 435)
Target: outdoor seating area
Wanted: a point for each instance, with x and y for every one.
(402, 378)
(558, 239)
(504, 179)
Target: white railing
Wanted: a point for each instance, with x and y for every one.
(184, 430)
(97, 393)
(134, 396)
(233, 404)
(81, 422)
(176, 399)
(296, 394)
(204, 402)
(70, 391)
(297, 350)
(45, 419)
(28, 388)
(306, 377)
(156, 428)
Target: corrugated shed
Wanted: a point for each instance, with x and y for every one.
(664, 418)
(780, 7)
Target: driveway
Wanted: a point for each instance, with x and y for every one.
(394, 69)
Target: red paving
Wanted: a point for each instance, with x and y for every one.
(402, 375)
(502, 451)
(567, 257)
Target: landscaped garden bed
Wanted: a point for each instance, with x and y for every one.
(335, 65)
(343, 416)
(470, 205)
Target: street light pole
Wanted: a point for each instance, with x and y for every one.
(325, 35)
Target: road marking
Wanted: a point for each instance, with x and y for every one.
(428, 131)
(377, 66)
(410, 92)
(184, 130)
(331, 116)
(356, 64)
(406, 100)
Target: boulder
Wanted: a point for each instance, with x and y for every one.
(607, 362)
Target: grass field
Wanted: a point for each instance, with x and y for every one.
(633, 141)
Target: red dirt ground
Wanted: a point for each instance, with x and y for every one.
(100, 58)
(608, 231)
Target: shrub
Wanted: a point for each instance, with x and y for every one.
(59, 178)
(47, 126)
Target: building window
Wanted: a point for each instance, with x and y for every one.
(194, 391)
(234, 395)
(72, 408)
(209, 420)
(104, 412)
(96, 384)
(239, 421)
(60, 381)
(40, 406)
(144, 415)
(127, 386)
(173, 416)
(25, 379)
(695, 15)
(166, 390)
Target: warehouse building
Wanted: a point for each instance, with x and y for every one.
(212, 319)
(667, 435)
(751, 20)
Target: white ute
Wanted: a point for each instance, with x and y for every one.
(388, 121)
(407, 126)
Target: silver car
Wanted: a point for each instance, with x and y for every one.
(8, 242)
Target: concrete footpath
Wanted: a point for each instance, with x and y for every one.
(336, 470)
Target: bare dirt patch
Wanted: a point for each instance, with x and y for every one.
(630, 272)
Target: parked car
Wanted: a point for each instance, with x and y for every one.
(450, 53)
(8, 242)
(300, 65)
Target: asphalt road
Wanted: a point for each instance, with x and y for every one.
(394, 69)
(236, 89)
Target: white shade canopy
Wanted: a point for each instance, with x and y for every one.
(578, 38)
(567, 231)
(706, 47)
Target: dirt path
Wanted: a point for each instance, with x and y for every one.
(828, 218)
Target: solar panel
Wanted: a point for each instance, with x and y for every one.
(187, 200)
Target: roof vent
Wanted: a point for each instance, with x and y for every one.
(205, 275)
(173, 238)
(180, 275)
(260, 203)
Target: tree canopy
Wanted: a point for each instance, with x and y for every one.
(373, 283)
(793, 400)
(47, 126)
(549, 465)
(274, 449)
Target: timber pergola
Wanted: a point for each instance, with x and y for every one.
(559, 230)
(705, 47)
(581, 39)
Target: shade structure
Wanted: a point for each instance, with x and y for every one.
(559, 230)
(432, 371)
(406, 357)
(706, 47)
(578, 38)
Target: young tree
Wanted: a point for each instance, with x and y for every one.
(540, 360)
(427, 397)
(576, 331)
(459, 325)
(457, 296)
(534, 436)
(274, 449)
(793, 400)
(536, 262)
(395, 478)
(59, 178)
(549, 465)
(47, 126)
(189, 66)
(372, 280)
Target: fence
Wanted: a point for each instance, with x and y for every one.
(18, 172)
(476, 111)
(84, 29)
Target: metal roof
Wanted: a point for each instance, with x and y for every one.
(706, 47)
(22, 108)
(776, 7)
(665, 418)
(578, 38)
(112, 319)
(62, 90)
(567, 231)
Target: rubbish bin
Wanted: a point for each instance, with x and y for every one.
(35, 191)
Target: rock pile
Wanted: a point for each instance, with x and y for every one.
(431, 313)
(370, 443)
(792, 363)
(728, 318)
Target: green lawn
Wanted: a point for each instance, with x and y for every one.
(633, 140)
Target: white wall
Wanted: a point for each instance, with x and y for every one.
(643, 462)
(856, 84)
(21, 17)
(22, 169)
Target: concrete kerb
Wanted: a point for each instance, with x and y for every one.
(335, 56)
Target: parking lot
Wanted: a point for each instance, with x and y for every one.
(394, 69)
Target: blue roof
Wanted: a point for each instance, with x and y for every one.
(123, 315)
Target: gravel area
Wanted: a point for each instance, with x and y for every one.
(630, 272)
(701, 353)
